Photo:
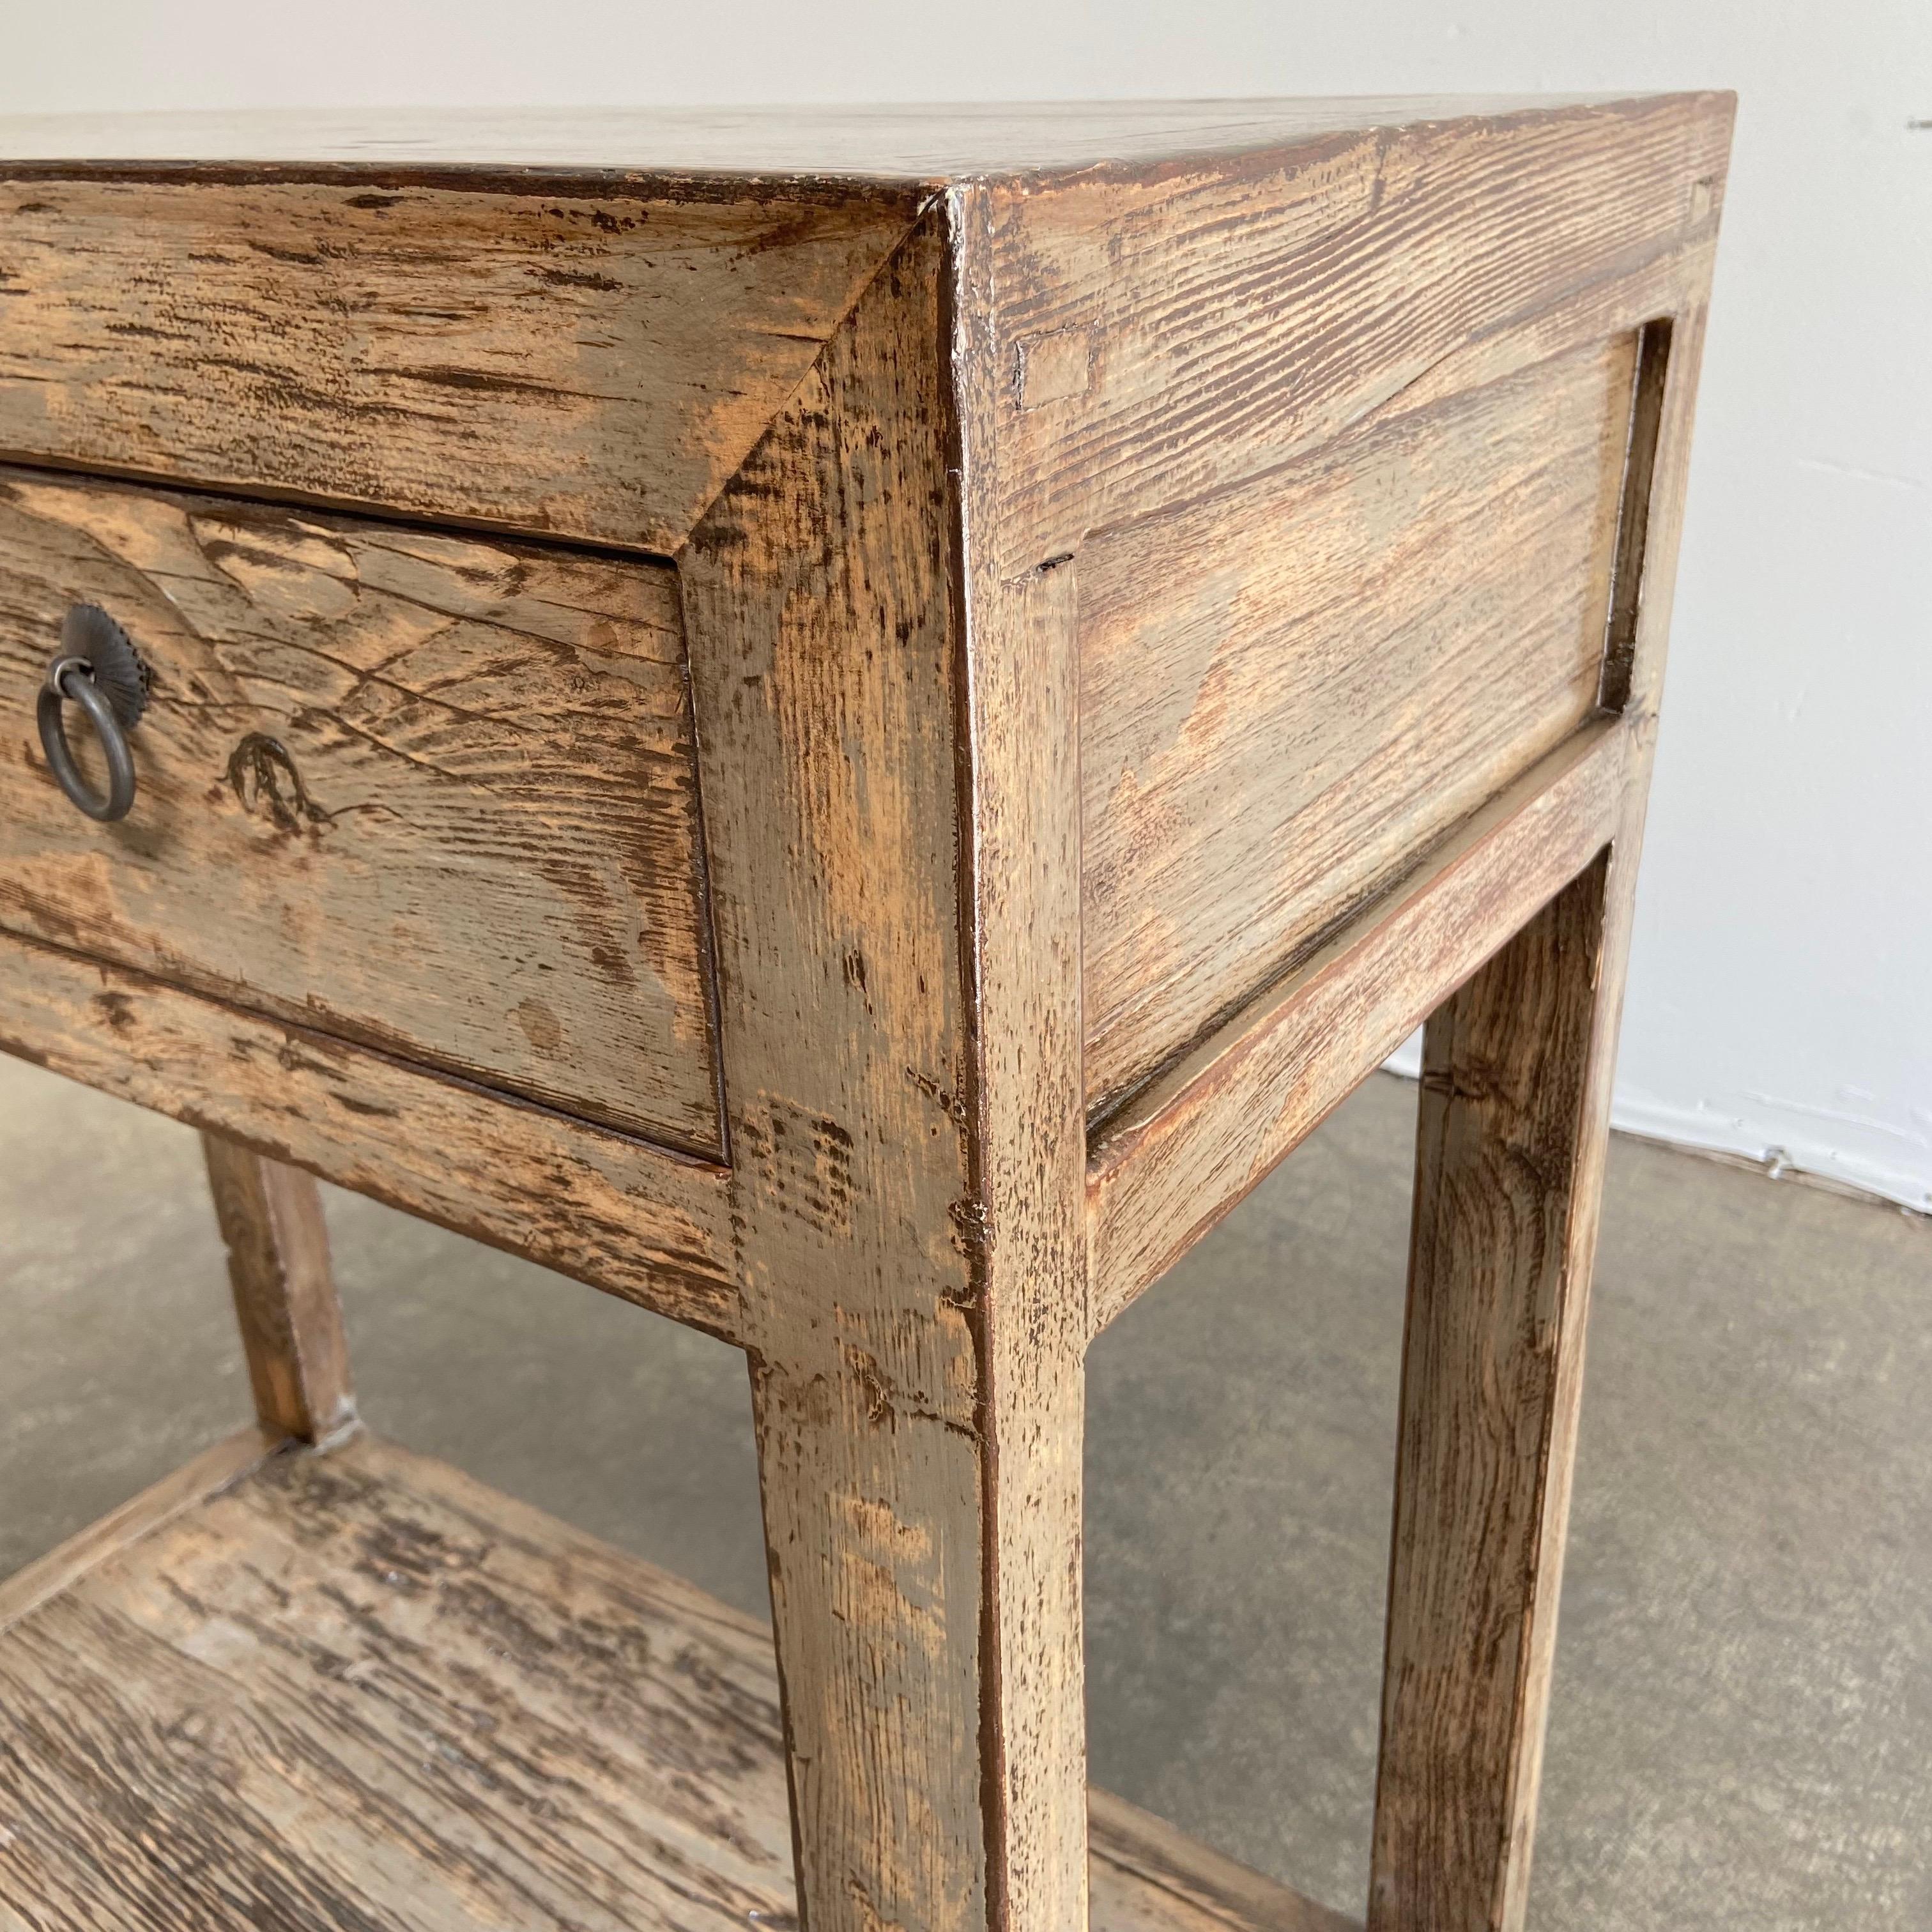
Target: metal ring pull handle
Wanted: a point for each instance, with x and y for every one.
(98, 668)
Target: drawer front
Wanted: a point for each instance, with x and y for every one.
(549, 355)
(1289, 691)
(431, 793)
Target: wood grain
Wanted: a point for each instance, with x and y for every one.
(1148, 1875)
(913, 1293)
(927, 142)
(1243, 311)
(270, 1221)
(1288, 691)
(1195, 1143)
(1268, 463)
(587, 357)
(362, 1691)
(1507, 1165)
(825, 658)
(178, 1491)
(1518, 1069)
(431, 792)
(624, 1216)
(1022, 803)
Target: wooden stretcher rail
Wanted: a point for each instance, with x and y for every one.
(1195, 1141)
(640, 1223)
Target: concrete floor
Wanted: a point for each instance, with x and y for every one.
(1742, 1732)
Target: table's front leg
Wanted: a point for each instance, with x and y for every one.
(1514, 1112)
(931, 1678)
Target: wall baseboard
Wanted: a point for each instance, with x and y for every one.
(1780, 1154)
(1791, 1154)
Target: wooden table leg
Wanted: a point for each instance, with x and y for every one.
(271, 1218)
(931, 1673)
(1513, 1114)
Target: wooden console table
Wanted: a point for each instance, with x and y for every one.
(844, 725)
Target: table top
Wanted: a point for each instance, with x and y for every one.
(917, 142)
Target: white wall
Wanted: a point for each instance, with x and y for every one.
(1782, 986)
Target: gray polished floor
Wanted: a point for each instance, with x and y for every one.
(1742, 1732)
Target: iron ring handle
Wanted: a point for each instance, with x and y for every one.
(98, 668)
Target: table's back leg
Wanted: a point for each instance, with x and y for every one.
(271, 1218)
(1513, 1118)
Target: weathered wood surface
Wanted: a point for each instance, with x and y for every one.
(1006, 398)
(432, 792)
(1026, 1116)
(1517, 1072)
(1288, 692)
(1147, 1875)
(1195, 1143)
(928, 143)
(176, 1493)
(625, 1217)
(1512, 1116)
(589, 357)
(270, 1216)
(827, 667)
(1199, 323)
(360, 1690)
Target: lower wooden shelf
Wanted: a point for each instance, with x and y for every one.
(358, 1692)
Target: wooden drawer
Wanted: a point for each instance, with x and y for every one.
(430, 793)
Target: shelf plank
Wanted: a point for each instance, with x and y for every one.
(180, 1490)
(359, 1690)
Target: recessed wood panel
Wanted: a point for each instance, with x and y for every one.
(428, 792)
(583, 357)
(1289, 691)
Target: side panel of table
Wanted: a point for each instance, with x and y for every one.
(1332, 438)
(1192, 359)
(1292, 690)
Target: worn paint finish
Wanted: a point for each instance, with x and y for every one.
(431, 792)
(387, 1697)
(1508, 1157)
(627, 1217)
(586, 360)
(825, 661)
(285, 1305)
(1250, 308)
(1517, 1074)
(1022, 692)
(1289, 692)
(890, 566)
(1190, 1146)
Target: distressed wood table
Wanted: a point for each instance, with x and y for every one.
(844, 725)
